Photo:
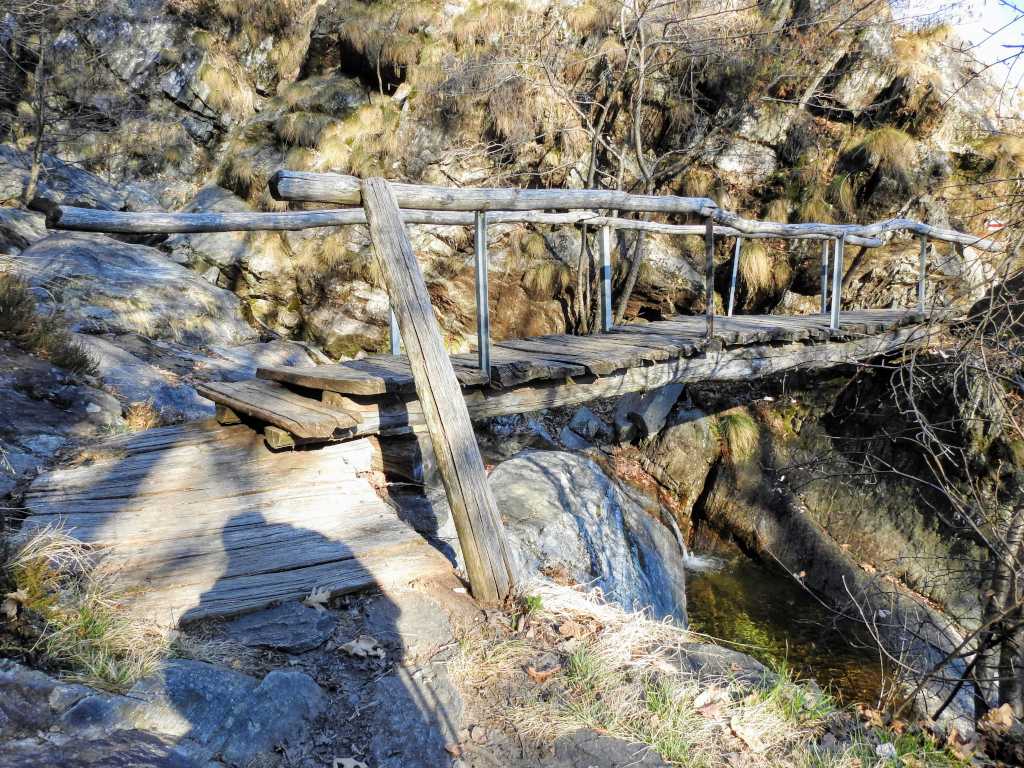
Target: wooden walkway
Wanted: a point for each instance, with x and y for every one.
(200, 520)
(375, 395)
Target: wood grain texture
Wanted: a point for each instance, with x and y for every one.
(485, 550)
(201, 520)
(270, 402)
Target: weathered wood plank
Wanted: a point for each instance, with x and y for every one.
(274, 404)
(488, 562)
(205, 521)
(372, 375)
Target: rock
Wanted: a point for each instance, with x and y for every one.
(223, 250)
(278, 715)
(643, 414)
(419, 715)
(682, 455)
(711, 663)
(60, 183)
(98, 715)
(412, 619)
(754, 162)
(864, 74)
(572, 441)
(503, 437)
(136, 381)
(589, 749)
(768, 123)
(30, 700)
(111, 286)
(187, 86)
(225, 712)
(793, 303)
(561, 510)
(587, 425)
(190, 698)
(19, 229)
(290, 627)
(124, 749)
(133, 34)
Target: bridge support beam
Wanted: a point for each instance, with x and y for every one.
(605, 247)
(824, 277)
(837, 282)
(732, 279)
(483, 312)
(474, 511)
(709, 275)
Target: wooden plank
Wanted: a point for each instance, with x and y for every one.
(372, 375)
(488, 562)
(205, 521)
(274, 404)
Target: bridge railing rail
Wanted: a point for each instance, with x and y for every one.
(479, 207)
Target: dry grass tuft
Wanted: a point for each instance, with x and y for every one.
(777, 210)
(46, 336)
(230, 91)
(741, 435)
(302, 129)
(888, 150)
(138, 417)
(756, 268)
(86, 633)
(815, 209)
(620, 674)
(548, 279)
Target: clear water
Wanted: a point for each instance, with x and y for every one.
(768, 615)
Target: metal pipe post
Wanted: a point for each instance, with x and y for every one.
(605, 246)
(732, 280)
(396, 336)
(483, 318)
(824, 277)
(837, 281)
(922, 275)
(709, 274)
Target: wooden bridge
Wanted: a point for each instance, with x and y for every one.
(263, 528)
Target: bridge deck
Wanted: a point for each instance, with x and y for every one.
(345, 400)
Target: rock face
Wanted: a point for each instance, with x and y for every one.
(288, 627)
(106, 285)
(562, 512)
(683, 453)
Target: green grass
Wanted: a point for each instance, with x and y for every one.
(740, 433)
(42, 335)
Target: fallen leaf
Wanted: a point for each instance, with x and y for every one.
(363, 647)
(960, 746)
(998, 720)
(318, 598)
(12, 603)
(748, 735)
(711, 695)
(348, 762)
(541, 676)
(455, 750)
(712, 711)
(570, 628)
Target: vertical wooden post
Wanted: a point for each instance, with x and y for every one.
(732, 279)
(605, 241)
(837, 282)
(481, 534)
(709, 274)
(922, 276)
(483, 293)
(394, 334)
(824, 277)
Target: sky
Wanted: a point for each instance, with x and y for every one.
(988, 25)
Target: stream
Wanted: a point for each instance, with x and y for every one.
(768, 615)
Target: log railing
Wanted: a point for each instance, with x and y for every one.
(480, 207)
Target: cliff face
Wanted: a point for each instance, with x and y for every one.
(771, 114)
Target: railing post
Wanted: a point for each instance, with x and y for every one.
(732, 279)
(837, 281)
(922, 274)
(709, 274)
(396, 337)
(605, 247)
(824, 276)
(483, 318)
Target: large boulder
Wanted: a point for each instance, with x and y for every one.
(64, 184)
(682, 455)
(19, 229)
(562, 512)
(104, 285)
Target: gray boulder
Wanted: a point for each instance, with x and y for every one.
(105, 285)
(682, 454)
(65, 184)
(124, 749)
(643, 414)
(136, 381)
(19, 229)
(289, 627)
(30, 701)
(562, 510)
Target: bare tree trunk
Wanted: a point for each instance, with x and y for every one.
(37, 150)
(631, 277)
